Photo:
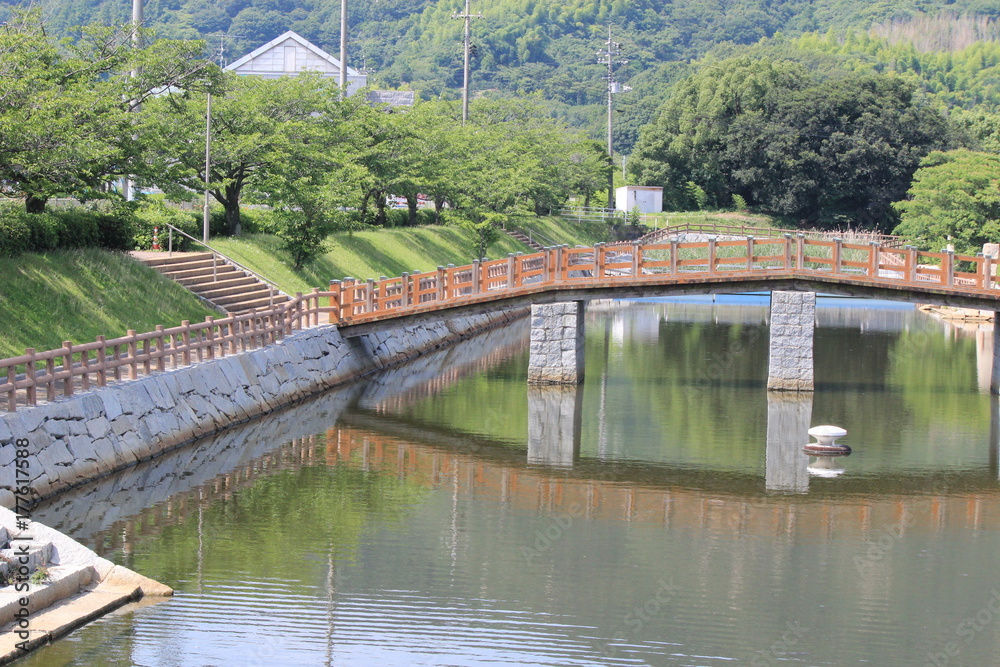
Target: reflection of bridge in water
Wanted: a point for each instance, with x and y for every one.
(672, 498)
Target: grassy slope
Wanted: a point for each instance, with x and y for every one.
(387, 252)
(77, 295)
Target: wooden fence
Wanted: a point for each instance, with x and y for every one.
(71, 368)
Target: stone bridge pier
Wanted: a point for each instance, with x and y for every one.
(556, 343)
(793, 321)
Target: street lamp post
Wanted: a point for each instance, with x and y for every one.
(206, 216)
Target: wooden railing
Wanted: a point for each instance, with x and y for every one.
(636, 264)
(71, 368)
(887, 240)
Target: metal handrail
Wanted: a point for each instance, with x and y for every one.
(226, 258)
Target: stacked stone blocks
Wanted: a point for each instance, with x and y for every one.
(790, 363)
(556, 355)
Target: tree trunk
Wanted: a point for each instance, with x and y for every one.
(33, 204)
(380, 209)
(411, 204)
(232, 207)
(438, 205)
(586, 199)
(363, 209)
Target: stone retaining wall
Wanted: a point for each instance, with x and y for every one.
(91, 435)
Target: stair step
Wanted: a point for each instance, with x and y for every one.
(203, 275)
(169, 269)
(247, 295)
(177, 259)
(213, 291)
(253, 305)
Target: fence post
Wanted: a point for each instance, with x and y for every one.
(314, 317)
(296, 321)
(750, 245)
(948, 268)
(68, 366)
(146, 370)
(186, 342)
(102, 371)
(210, 321)
(160, 361)
(12, 394)
(85, 370)
(133, 367)
(30, 374)
(50, 385)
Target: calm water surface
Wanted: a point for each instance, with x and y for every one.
(662, 514)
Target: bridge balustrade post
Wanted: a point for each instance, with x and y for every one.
(750, 243)
(335, 295)
(636, 260)
(370, 296)
(476, 275)
(790, 361)
(510, 270)
(711, 254)
(787, 249)
(556, 352)
(673, 255)
(347, 299)
(874, 259)
(911, 264)
(948, 268)
(598, 261)
(560, 258)
(800, 251)
(439, 284)
(987, 269)
(404, 290)
(838, 248)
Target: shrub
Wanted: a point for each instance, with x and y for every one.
(15, 234)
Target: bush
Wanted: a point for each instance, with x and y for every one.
(15, 233)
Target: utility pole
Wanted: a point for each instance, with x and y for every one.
(343, 49)
(466, 44)
(129, 185)
(609, 56)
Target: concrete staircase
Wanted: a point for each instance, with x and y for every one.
(524, 238)
(222, 284)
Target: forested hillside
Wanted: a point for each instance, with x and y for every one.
(547, 48)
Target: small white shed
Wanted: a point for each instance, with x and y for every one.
(648, 198)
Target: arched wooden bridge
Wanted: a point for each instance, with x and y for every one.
(627, 270)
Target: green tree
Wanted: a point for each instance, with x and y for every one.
(257, 125)
(954, 198)
(66, 111)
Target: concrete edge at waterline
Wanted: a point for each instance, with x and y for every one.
(56, 446)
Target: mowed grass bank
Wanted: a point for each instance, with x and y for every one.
(76, 295)
(387, 252)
